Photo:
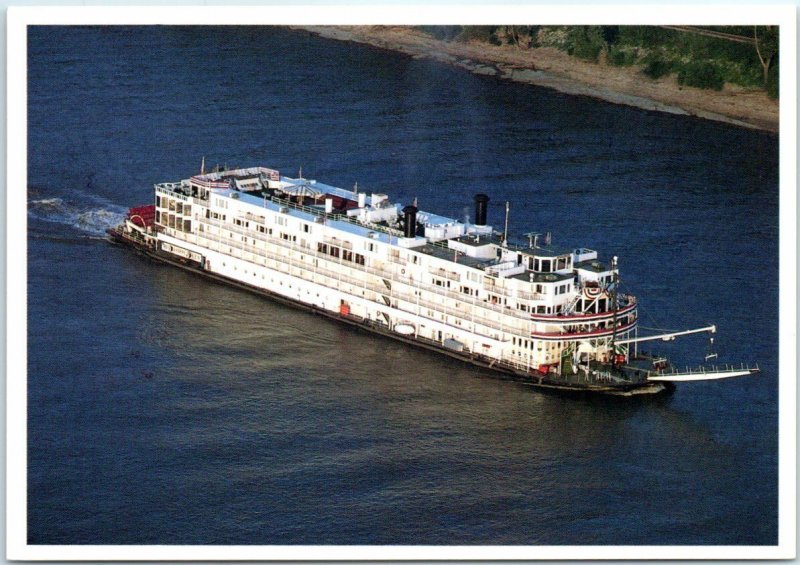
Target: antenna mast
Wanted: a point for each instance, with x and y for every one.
(533, 239)
(505, 231)
(615, 282)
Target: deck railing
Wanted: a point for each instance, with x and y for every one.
(394, 275)
(391, 275)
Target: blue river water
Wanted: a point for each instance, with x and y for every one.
(166, 409)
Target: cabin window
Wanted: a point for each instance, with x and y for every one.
(359, 259)
(537, 266)
(306, 228)
(546, 264)
(187, 225)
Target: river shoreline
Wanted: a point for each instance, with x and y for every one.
(551, 68)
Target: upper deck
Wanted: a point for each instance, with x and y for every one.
(372, 216)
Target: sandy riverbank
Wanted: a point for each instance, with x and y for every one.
(552, 68)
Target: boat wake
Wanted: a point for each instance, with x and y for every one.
(91, 220)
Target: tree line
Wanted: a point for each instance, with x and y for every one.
(700, 56)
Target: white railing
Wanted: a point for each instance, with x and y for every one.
(445, 274)
(393, 276)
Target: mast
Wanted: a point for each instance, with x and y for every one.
(615, 282)
(505, 231)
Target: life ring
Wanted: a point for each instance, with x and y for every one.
(402, 271)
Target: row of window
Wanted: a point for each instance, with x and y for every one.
(173, 221)
(549, 265)
(529, 343)
(562, 289)
(345, 254)
(540, 309)
(173, 205)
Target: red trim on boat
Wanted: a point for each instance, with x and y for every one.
(580, 317)
(602, 332)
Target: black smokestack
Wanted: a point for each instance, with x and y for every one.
(481, 200)
(410, 221)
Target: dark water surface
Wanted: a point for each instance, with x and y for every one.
(165, 409)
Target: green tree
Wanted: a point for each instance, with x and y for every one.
(766, 40)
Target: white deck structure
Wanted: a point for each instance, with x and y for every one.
(533, 308)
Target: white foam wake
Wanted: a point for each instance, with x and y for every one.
(93, 220)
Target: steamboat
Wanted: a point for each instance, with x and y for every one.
(549, 317)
